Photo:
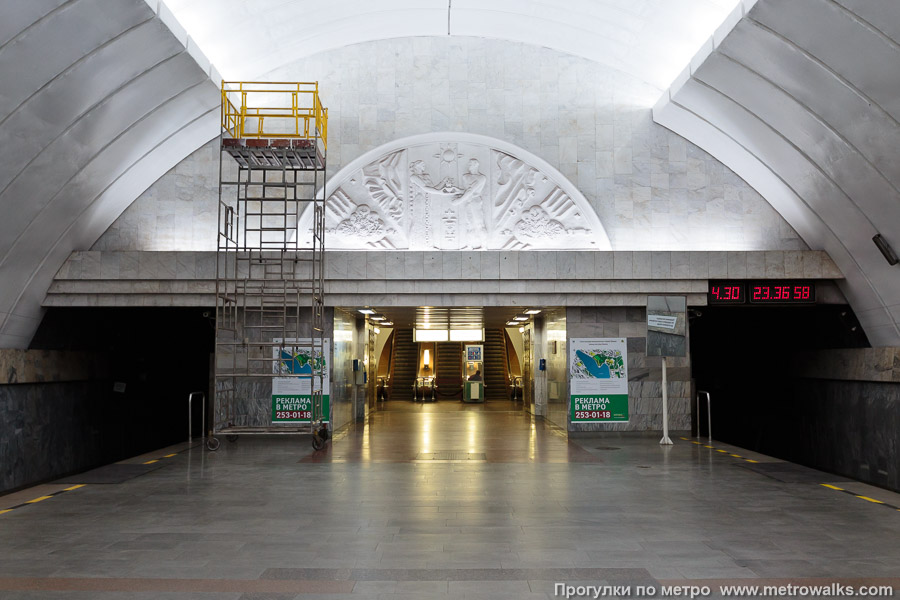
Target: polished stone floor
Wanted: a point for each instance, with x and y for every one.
(444, 501)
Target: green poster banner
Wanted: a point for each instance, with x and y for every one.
(296, 408)
(297, 369)
(598, 380)
(593, 409)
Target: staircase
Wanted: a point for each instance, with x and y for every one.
(404, 357)
(496, 371)
(448, 370)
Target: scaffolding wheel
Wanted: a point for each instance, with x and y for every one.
(212, 444)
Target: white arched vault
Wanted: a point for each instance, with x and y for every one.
(99, 99)
(801, 101)
(454, 191)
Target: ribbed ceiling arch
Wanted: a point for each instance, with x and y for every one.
(651, 40)
(802, 99)
(99, 99)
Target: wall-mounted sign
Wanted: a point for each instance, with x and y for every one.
(774, 291)
(598, 380)
(666, 325)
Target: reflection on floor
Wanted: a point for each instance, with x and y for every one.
(442, 502)
(499, 431)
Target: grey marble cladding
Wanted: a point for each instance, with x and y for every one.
(644, 373)
(855, 364)
(49, 430)
(578, 278)
(39, 366)
(860, 420)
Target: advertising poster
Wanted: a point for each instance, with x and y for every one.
(292, 387)
(598, 380)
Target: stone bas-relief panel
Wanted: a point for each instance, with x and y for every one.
(652, 189)
(457, 195)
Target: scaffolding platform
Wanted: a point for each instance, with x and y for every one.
(270, 324)
(275, 153)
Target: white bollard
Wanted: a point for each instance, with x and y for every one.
(665, 398)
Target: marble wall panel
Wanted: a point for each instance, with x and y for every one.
(51, 429)
(859, 420)
(644, 374)
(854, 364)
(650, 188)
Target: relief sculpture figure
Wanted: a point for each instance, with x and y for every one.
(472, 206)
(421, 187)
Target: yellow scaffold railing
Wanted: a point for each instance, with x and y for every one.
(273, 109)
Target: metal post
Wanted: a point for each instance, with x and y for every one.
(708, 413)
(698, 412)
(190, 415)
(665, 398)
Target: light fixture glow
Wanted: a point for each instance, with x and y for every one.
(512, 323)
(367, 311)
(343, 335)
(426, 358)
(521, 330)
(520, 318)
(376, 318)
(430, 335)
(387, 323)
(377, 331)
(533, 311)
(467, 335)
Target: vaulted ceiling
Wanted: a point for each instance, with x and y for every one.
(649, 39)
(101, 98)
(802, 100)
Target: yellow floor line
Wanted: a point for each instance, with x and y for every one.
(170, 455)
(870, 499)
(74, 487)
(5, 511)
(751, 460)
(833, 487)
(150, 462)
(38, 499)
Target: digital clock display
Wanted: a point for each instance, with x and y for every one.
(776, 291)
(727, 292)
(781, 292)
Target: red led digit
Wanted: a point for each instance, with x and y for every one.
(715, 292)
(806, 292)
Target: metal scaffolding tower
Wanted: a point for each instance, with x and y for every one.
(270, 325)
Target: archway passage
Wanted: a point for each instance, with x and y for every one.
(460, 355)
